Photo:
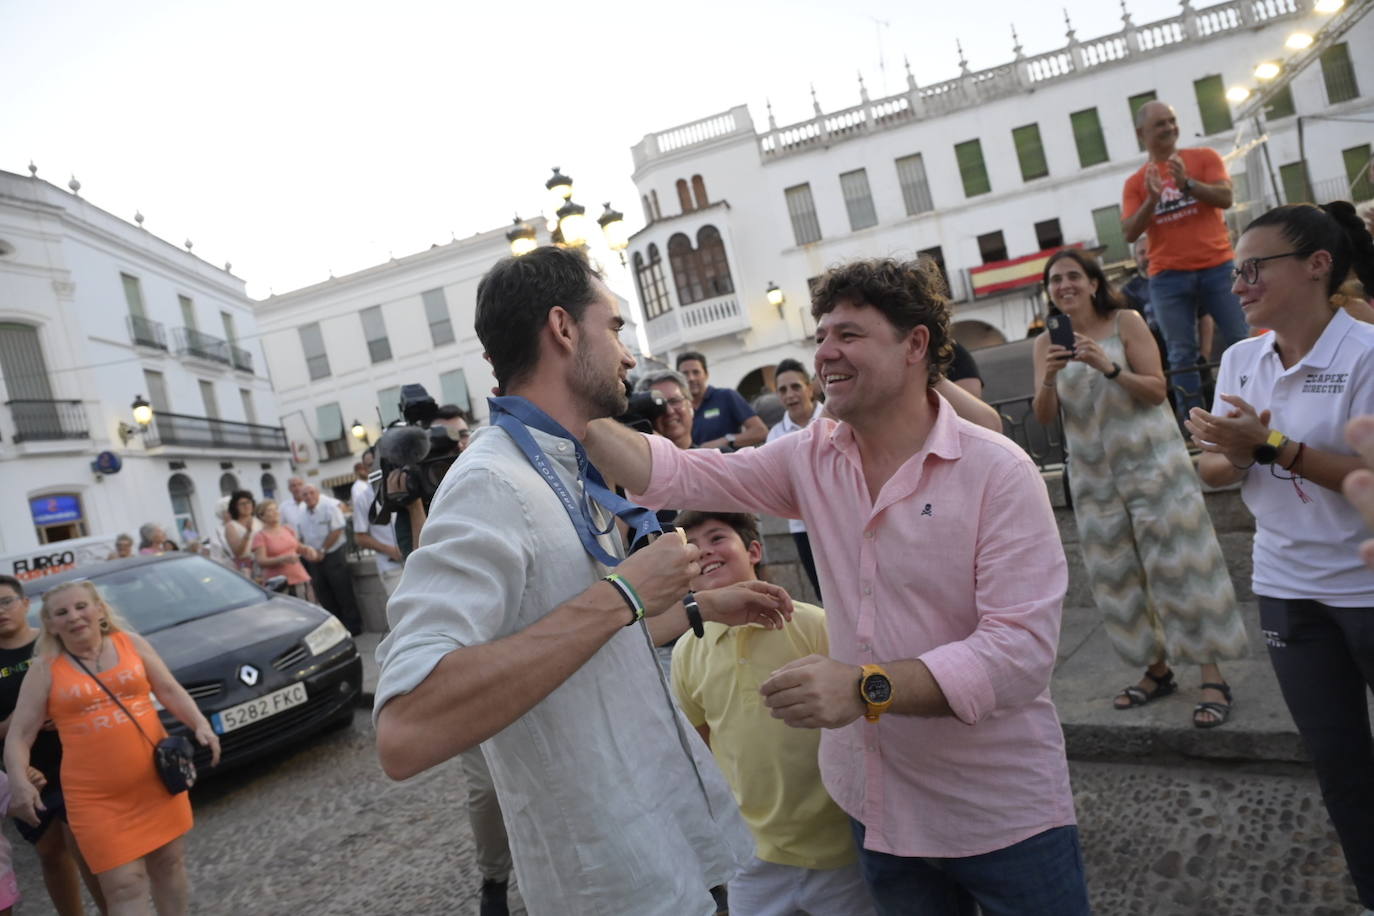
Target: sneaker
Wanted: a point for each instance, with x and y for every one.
(494, 899)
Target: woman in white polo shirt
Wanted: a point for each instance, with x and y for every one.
(1283, 400)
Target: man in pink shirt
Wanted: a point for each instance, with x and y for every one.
(944, 576)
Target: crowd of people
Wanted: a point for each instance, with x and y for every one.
(898, 751)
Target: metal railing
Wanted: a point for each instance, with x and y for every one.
(146, 332)
(243, 360)
(190, 342)
(1045, 442)
(48, 421)
(209, 432)
(337, 448)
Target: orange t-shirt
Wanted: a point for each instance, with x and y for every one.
(1184, 232)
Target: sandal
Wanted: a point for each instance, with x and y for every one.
(1135, 696)
(1220, 712)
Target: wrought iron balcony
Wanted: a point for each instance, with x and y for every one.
(146, 332)
(243, 360)
(190, 342)
(47, 421)
(208, 432)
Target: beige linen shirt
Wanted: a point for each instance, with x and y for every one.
(602, 802)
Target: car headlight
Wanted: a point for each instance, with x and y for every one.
(326, 636)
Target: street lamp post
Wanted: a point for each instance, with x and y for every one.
(568, 226)
(143, 416)
(359, 432)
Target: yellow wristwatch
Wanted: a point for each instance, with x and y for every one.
(875, 689)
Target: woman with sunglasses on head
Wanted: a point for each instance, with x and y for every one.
(1283, 399)
(1157, 572)
(97, 680)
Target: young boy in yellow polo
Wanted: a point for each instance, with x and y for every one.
(804, 857)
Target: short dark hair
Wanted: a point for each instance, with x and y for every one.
(744, 524)
(791, 365)
(1335, 228)
(14, 584)
(909, 294)
(452, 412)
(514, 299)
(1104, 300)
(234, 498)
(687, 355)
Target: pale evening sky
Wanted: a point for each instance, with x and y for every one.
(296, 138)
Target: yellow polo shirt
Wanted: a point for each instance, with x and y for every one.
(770, 766)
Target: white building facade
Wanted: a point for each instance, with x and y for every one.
(988, 173)
(339, 351)
(94, 313)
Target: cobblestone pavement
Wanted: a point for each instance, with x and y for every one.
(324, 832)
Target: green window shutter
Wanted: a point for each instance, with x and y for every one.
(1030, 152)
(1293, 177)
(1339, 74)
(1137, 102)
(1087, 136)
(1357, 172)
(1107, 223)
(1280, 104)
(972, 169)
(1212, 105)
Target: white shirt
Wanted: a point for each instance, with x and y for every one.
(1306, 550)
(780, 429)
(316, 524)
(361, 496)
(602, 803)
(291, 512)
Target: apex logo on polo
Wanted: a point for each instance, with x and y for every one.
(1325, 382)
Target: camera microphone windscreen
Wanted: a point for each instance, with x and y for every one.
(403, 446)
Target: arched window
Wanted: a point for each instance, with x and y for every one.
(686, 273)
(228, 483)
(684, 196)
(653, 291)
(715, 267)
(269, 486)
(180, 488)
(699, 191)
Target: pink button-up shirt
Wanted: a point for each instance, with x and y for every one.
(957, 563)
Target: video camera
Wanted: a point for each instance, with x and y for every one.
(416, 446)
(645, 407)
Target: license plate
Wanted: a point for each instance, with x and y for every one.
(264, 707)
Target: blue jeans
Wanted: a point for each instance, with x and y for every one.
(1037, 876)
(1179, 299)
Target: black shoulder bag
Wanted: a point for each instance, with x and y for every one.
(173, 756)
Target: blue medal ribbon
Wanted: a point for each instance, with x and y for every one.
(517, 416)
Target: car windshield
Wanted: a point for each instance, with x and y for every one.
(155, 596)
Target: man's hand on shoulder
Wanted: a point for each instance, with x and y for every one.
(661, 572)
(747, 602)
(814, 692)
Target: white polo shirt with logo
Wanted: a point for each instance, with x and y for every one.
(1306, 549)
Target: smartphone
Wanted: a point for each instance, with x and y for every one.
(1061, 331)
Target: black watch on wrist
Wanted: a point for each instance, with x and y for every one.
(1267, 452)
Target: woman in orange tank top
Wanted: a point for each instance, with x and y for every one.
(128, 827)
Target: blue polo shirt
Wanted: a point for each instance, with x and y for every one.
(722, 411)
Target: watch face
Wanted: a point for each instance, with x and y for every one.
(1265, 454)
(877, 688)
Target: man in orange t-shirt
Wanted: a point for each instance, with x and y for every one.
(1176, 198)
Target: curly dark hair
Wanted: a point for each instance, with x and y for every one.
(910, 294)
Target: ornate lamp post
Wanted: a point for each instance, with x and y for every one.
(569, 226)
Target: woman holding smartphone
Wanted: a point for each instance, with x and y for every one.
(1157, 572)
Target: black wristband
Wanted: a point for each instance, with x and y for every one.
(694, 615)
(1116, 370)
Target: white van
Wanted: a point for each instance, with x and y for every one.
(59, 556)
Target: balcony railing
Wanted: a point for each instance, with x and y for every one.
(145, 332)
(47, 421)
(208, 432)
(190, 342)
(699, 321)
(337, 448)
(243, 360)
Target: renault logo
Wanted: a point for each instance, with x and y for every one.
(249, 675)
